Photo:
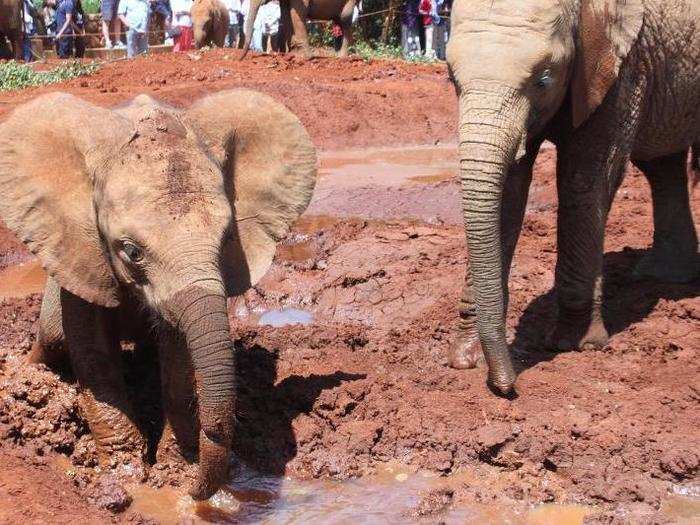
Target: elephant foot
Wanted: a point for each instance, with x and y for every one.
(668, 267)
(465, 352)
(571, 333)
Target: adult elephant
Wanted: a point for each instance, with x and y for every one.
(11, 25)
(605, 81)
(153, 219)
(294, 16)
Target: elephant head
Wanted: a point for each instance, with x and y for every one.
(210, 21)
(179, 209)
(515, 65)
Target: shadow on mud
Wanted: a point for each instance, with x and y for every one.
(625, 301)
(265, 438)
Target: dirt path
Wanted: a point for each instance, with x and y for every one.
(377, 264)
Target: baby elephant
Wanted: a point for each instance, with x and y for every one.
(151, 217)
(210, 21)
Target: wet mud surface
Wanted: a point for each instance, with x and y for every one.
(352, 408)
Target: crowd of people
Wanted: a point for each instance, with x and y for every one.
(425, 27)
(127, 24)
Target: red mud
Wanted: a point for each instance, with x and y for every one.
(380, 268)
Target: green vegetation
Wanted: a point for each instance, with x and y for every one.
(367, 48)
(14, 75)
(91, 6)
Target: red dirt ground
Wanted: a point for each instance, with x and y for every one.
(367, 381)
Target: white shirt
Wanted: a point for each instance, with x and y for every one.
(28, 20)
(179, 6)
(136, 14)
(270, 17)
(234, 9)
(245, 7)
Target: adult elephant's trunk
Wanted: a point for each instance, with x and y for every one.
(249, 23)
(203, 323)
(491, 131)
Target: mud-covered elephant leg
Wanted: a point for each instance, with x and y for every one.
(92, 337)
(49, 347)
(181, 429)
(674, 256)
(466, 350)
(299, 40)
(345, 23)
(591, 164)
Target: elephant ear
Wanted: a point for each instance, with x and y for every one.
(269, 166)
(607, 31)
(50, 149)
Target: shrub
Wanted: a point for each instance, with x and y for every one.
(14, 75)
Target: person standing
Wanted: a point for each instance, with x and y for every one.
(29, 14)
(269, 25)
(183, 35)
(110, 21)
(234, 16)
(65, 15)
(161, 18)
(79, 29)
(245, 7)
(133, 14)
(410, 36)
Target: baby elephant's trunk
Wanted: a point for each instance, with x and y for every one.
(205, 327)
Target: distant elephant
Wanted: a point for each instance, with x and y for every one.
(146, 219)
(209, 23)
(11, 25)
(605, 81)
(294, 16)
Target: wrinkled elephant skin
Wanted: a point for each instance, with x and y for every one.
(606, 81)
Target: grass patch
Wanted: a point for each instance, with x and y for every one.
(375, 50)
(14, 75)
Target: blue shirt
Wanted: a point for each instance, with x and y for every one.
(136, 14)
(64, 8)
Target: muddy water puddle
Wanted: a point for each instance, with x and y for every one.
(392, 496)
(390, 166)
(416, 182)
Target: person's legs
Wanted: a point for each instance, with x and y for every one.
(116, 25)
(79, 46)
(107, 9)
(27, 47)
(131, 43)
(65, 46)
(142, 43)
(232, 36)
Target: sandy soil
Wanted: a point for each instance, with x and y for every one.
(380, 269)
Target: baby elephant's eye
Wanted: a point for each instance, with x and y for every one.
(544, 80)
(132, 252)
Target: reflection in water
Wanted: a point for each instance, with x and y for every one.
(284, 317)
(390, 166)
(389, 497)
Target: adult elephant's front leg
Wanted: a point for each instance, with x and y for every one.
(466, 350)
(92, 337)
(299, 40)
